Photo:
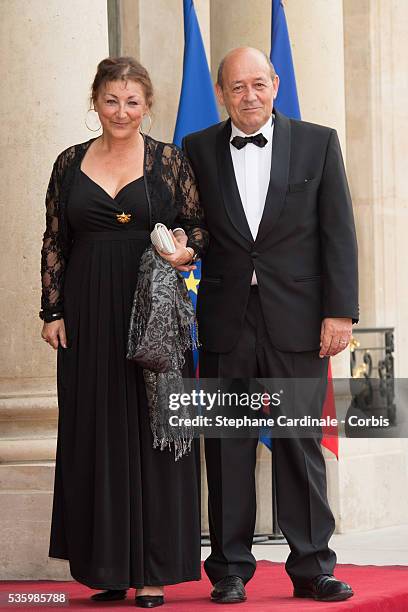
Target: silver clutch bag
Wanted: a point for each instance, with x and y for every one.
(161, 238)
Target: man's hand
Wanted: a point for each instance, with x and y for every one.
(182, 256)
(334, 336)
(54, 333)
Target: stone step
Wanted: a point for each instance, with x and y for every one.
(28, 430)
(23, 419)
(33, 476)
(27, 387)
(28, 449)
(25, 521)
(32, 407)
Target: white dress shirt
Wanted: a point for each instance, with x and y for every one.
(252, 167)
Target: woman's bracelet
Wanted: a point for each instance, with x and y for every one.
(48, 317)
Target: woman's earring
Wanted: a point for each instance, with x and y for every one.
(86, 119)
(150, 124)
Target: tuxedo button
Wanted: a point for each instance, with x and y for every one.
(254, 254)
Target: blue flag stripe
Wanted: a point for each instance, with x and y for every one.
(281, 57)
(197, 107)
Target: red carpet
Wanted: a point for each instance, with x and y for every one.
(376, 589)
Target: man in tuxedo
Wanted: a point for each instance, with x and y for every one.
(277, 298)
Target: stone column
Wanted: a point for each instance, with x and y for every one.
(373, 473)
(162, 52)
(377, 90)
(49, 52)
(238, 24)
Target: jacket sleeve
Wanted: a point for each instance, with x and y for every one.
(52, 258)
(338, 238)
(190, 212)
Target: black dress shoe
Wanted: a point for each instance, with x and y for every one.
(323, 588)
(149, 601)
(229, 590)
(110, 595)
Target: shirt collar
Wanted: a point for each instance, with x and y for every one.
(266, 130)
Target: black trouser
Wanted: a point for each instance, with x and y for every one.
(304, 515)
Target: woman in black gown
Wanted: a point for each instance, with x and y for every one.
(124, 514)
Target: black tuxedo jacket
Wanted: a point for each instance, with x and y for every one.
(305, 253)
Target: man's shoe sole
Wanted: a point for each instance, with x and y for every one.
(229, 600)
(337, 597)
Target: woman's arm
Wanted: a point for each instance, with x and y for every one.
(52, 258)
(190, 212)
(52, 267)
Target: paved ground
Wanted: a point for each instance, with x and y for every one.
(380, 547)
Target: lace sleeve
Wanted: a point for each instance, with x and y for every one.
(191, 215)
(52, 259)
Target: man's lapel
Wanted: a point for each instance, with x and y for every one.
(278, 181)
(228, 183)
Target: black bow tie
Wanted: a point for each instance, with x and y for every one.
(240, 142)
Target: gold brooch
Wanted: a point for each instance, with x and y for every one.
(123, 218)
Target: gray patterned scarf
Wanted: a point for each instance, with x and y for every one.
(162, 327)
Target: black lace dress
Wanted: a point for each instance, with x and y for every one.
(124, 514)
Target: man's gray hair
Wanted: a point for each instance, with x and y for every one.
(222, 62)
